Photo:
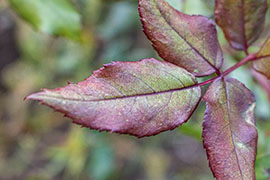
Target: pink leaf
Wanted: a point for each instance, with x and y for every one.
(229, 132)
(138, 98)
(242, 21)
(187, 41)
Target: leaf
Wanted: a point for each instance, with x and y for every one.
(242, 21)
(263, 82)
(229, 131)
(55, 17)
(138, 98)
(187, 41)
(263, 64)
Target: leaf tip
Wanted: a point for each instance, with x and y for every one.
(38, 96)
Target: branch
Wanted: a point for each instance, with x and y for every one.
(250, 57)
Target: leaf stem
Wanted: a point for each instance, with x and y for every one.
(250, 57)
(246, 52)
(239, 64)
(218, 72)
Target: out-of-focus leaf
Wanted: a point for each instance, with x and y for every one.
(122, 17)
(155, 163)
(263, 157)
(187, 41)
(138, 98)
(70, 155)
(229, 132)
(55, 17)
(241, 20)
(90, 11)
(176, 4)
(263, 81)
(192, 129)
(201, 7)
(102, 163)
(117, 49)
(263, 64)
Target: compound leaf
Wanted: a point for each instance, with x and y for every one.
(242, 21)
(140, 98)
(229, 132)
(187, 41)
(263, 64)
(55, 17)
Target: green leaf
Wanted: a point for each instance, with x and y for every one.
(55, 17)
(101, 164)
(229, 131)
(140, 98)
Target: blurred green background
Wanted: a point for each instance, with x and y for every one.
(45, 43)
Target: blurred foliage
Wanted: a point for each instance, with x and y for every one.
(47, 43)
(56, 17)
(263, 157)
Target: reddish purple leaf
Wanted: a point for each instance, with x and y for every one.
(263, 81)
(241, 20)
(187, 41)
(263, 64)
(138, 98)
(229, 131)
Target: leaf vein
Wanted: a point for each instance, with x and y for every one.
(231, 132)
(188, 43)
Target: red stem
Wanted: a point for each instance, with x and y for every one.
(251, 57)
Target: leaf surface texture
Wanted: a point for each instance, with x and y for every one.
(138, 98)
(229, 132)
(187, 41)
(242, 21)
